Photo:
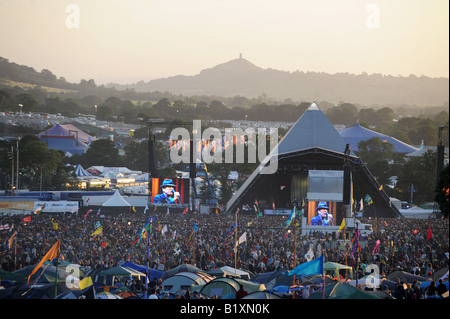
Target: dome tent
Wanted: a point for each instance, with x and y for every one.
(357, 133)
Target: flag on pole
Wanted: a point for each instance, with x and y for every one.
(51, 254)
(134, 209)
(98, 212)
(310, 254)
(377, 246)
(195, 228)
(356, 241)
(87, 213)
(164, 229)
(368, 199)
(105, 244)
(39, 209)
(146, 208)
(185, 210)
(55, 226)
(313, 267)
(291, 217)
(11, 239)
(85, 282)
(98, 231)
(26, 219)
(429, 233)
(217, 212)
(342, 226)
(242, 239)
(273, 206)
(234, 225)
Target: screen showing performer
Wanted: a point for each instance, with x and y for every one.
(323, 218)
(168, 194)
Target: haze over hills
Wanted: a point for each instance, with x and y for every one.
(240, 77)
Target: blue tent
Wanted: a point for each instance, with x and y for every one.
(355, 134)
(152, 273)
(80, 171)
(62, 139)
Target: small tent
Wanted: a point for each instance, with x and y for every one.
(180, 268)
(119, 271)
(343, 291)
(81, 172)
(152, 273)
(227, 271)
(224, 287)
(116, 200)
(274, 278)
(405, 277)
(184, 280)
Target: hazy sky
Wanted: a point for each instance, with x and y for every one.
(127, 41)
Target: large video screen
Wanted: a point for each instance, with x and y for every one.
(322, 213)
(170, 191)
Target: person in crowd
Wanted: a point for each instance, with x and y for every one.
(241, 292)
(441, 287)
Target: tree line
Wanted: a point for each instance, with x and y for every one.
(395, 122)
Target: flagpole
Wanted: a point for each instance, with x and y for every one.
(236, 247)
(193, 250)
(295, 251)
(323, 277)
(147, 263)
(15, 252)
(56, 277)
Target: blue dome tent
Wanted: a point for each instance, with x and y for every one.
(355, 134)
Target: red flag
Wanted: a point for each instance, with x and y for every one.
(26, 219)
(429, 232)
(273, 205)
(185, 210)
(415, 231)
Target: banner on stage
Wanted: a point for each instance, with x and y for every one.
(278, 211)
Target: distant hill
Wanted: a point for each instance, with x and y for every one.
(240, 77)
(243, 78)
(25, 76)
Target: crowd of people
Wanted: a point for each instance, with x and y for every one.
(403, 243)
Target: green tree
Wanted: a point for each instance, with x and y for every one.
(418, 171)
(136, 156)
(102, 152)
(345, 113)
(37, 161)
(378, 156)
